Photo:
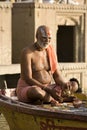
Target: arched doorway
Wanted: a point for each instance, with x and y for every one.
(65, 43)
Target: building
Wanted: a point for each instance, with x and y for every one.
(68, 22)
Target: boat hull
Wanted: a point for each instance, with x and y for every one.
(20, 121)
(30, 117)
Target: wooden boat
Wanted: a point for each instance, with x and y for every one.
(22, 116)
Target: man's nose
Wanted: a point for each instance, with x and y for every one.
(47, 39)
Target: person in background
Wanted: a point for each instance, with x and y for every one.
(75, 90)
(75, 85)
(38, 66)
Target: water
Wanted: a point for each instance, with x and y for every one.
(3, 123)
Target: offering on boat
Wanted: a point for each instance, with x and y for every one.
(77, 103)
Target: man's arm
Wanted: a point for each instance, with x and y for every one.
(59, 79)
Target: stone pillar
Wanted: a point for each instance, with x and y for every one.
(5, 33)
(85, 50)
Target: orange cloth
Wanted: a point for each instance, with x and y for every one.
(52, 58)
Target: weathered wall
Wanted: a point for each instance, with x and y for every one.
(23, 29)
(5, 33)
(26, 17)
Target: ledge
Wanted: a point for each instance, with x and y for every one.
(53, 6)
(5, 5)
(15, 68)
(10, 69)
(73, 66)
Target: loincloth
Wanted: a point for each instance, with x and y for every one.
(22, 89)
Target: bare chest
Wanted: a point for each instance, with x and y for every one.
(40, 61)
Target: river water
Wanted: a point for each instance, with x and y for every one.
(3, 123)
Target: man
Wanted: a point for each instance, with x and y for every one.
(38, 65)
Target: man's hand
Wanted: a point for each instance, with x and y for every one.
(66, 86)
(55, 92)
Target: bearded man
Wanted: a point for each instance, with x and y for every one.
(38, 66)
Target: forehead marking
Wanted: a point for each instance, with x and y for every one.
(45, 33)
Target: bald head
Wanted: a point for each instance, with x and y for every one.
(43, 31)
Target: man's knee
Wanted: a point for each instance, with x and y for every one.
(36, 92)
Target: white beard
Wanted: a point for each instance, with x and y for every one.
(41, 45)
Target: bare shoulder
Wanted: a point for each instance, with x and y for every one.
(27, 51)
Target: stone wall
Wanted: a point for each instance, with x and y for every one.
(26, 17)
(5, 33)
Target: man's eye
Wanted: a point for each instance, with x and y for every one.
(46, 37)
(49, 37)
